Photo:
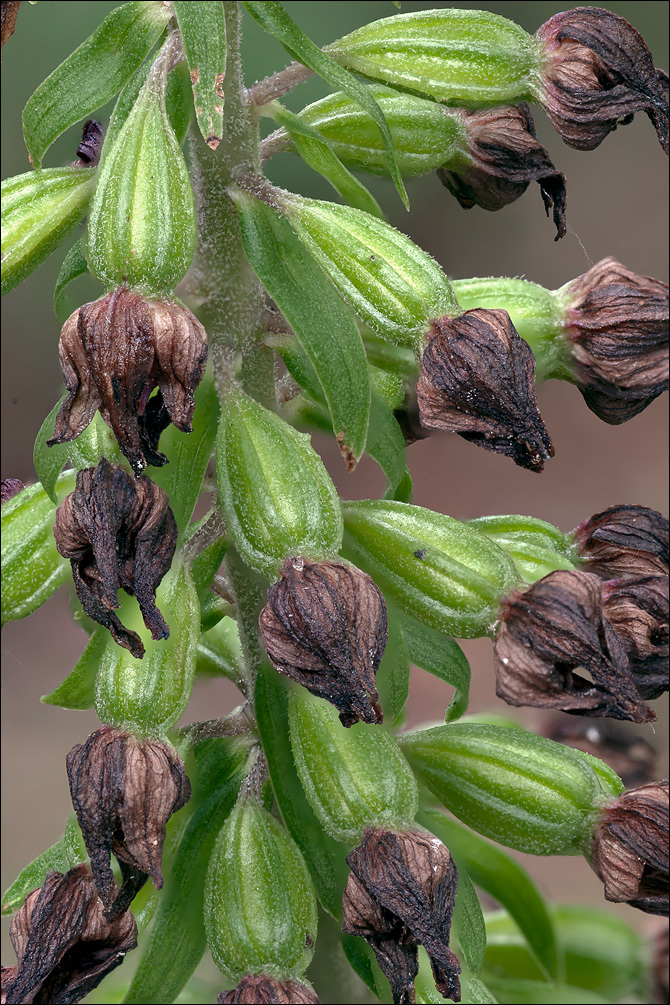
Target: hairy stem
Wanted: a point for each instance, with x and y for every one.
(277, 84)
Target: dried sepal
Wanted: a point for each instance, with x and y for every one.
(325, 626)
(478, 380)
(64, 943)
(124, 791)
(637, 609)
(118, 532)
(624, 541)
(263, 990)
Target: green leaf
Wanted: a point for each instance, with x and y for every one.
(519, 992)
(363, 960)
(74, 265)
(62, 856)
(50, 461)
(386, 445)
(469, 926)
(203, 34)
(220, 651)
(93, 74)
(475, 992)
(39, 210)
(500, 876)
(77, 691)
(442, 657)
(325, 857)
(179, 100)
(272, 16)
(393, 673)
(316, 314)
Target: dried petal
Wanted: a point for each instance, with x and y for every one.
(64, 944)
(113, 353)
(90, 148)
(630, 848)
(638, 611)
(478, 380)
(624, 541)
(401, 892)
(598, 72)
(550, 630)
(118, 532)
(9, 10)
(632, 757)
(325, 626)
(10, 488)
(505, 157)
(124, 791)
(261, 990)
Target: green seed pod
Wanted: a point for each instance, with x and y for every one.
(276, 495)
(39, 209)
(441, 571)
(142, 222)
(536, 547)
(394, 286)
(260, 908)
(353, 778)
(468, 58)
(522, 790)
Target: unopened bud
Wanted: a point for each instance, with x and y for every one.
(535, 546)
(261, 990)
(624, 541)
(637, 609)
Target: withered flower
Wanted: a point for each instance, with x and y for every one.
(478, 380)
(325, 626)
(632, 757)
(617, 324)
(113, 353)
(9, 10)
(504, 157)
(624, 541)
(10, 487)
(90, 148)
(598, 72)
(401, 892)
(64, 944)
(549, 631)
(262, 990)
(124, 791)
(629, 852)
(637, 609)
(118, 532)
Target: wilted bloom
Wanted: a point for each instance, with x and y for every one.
(90, 148)
(478, 380)
(624, 541)
(118, 532)
(547, 633)
(597, 73)
(10, 487)
(632, 757)
(124, 791)
(637, 609)
(629, 851)
(113, 353)
(504, 157)
(262, 990)
(401, 892)
(617, 326)
(9, 10)
(64, 944)
(325, 626)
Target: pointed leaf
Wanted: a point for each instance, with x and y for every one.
(393, 673)
(74, 265)
(386, 445)
(77, 691)
(50, 461)
(203, 34)
(442, 657)
(519, 992)
(469, 924)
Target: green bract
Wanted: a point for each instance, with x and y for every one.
(393, 286)
(353, 778)
(536, 547)
(276, 495)
(203, 33)
(39, 209)
(469, 58)
(141, 229)
(522, 790)
(260, 908)
(439, 570)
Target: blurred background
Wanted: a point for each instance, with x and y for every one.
(617, 205)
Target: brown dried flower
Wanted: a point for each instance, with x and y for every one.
(624, 541)
(10, 487)
(124, 791)
(118, 532)
(90, 148)
(629, 852)
(504, 157)
(549, 631)
(478, 380)
(401, 892)
(617, 324)
(9, 10)
(113, 353)
(261, 990)
(325, 626)
(632, 757)
(637, 609)
(64, 944)
(598, 72)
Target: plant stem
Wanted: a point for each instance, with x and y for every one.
(277, 84)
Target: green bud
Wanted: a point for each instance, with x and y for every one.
(440, 571)
(276, 495)
(142, 222)
(394, 286)
(39, 209)
(32, 569)
(522, 790)
(467, 58)
(536, 547)
(353, 777)
(260, 908)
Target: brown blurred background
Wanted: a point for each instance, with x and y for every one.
(617, 205)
